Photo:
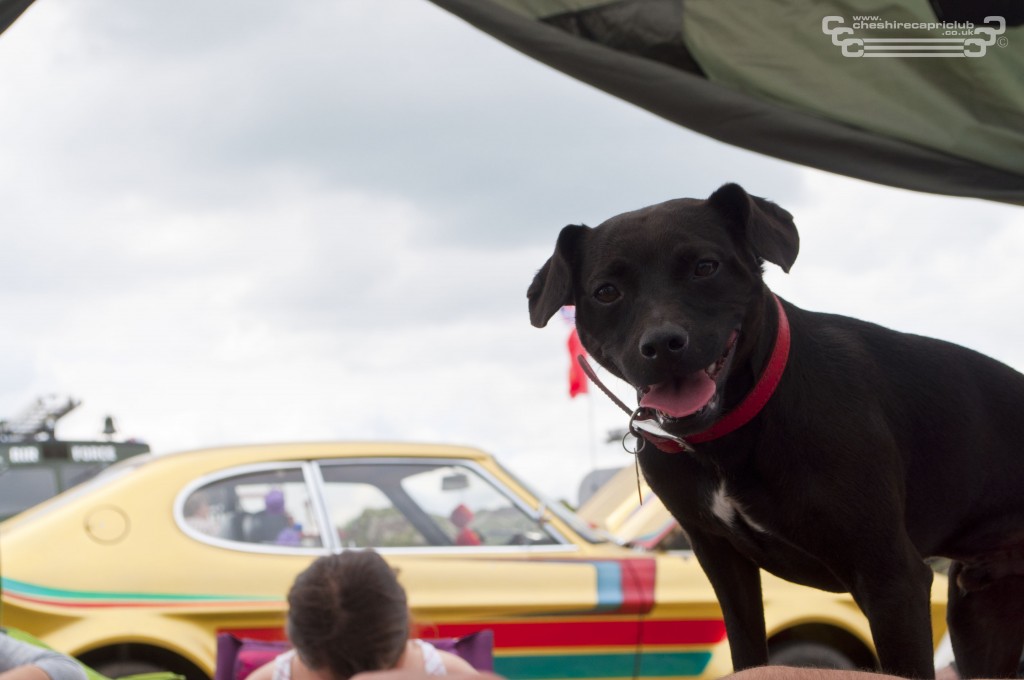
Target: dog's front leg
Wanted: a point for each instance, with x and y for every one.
(737, 584)
(894, 593)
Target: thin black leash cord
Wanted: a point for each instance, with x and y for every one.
(636, 468)
(585, 365)
(589, 370)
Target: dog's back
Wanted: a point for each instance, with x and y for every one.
(956, 416)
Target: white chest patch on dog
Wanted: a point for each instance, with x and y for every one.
(729, 510)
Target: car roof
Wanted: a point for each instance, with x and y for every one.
(196, 462)
(201, 461)
(320, 449)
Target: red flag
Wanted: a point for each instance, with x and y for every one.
(577, 378)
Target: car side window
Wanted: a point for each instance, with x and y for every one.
(472, 511)
(396, 504)
(265, 508)
(361, 511)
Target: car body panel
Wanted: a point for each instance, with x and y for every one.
(131, 570)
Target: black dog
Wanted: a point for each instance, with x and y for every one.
(829, 451)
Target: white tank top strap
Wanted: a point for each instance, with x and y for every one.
(432, 662)
(283, 665)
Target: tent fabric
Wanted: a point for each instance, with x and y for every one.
(11, 10)
(971, 108)
(977, 10)
(766, 77)
(651, 29)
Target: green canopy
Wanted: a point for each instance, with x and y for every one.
(11, 10)
(918, 95)
(913, 95)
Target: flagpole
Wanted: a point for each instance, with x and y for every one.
(578, 382)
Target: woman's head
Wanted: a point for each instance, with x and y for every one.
(347, 613)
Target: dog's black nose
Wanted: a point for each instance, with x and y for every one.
(663, 341)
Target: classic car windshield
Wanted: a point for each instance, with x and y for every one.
(578, 524)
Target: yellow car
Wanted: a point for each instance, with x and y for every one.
(141, 567)
(626, 507)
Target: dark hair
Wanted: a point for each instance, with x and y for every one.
(348, 613)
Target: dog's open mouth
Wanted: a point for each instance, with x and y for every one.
(690, 395)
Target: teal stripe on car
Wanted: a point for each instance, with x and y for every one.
(589, 664)
(32, 590)
(671, 664)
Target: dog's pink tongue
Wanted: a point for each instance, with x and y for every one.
(678, 398)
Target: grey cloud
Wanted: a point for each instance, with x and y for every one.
(188, 112)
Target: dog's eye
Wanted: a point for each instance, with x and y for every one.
(705, 268)
(607, 294)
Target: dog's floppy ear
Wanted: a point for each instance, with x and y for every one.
(552, 286)
(769, 229)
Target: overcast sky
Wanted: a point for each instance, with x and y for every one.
(265, 221)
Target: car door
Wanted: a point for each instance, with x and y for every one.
(474, 555)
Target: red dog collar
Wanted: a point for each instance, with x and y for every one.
(762, 392)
